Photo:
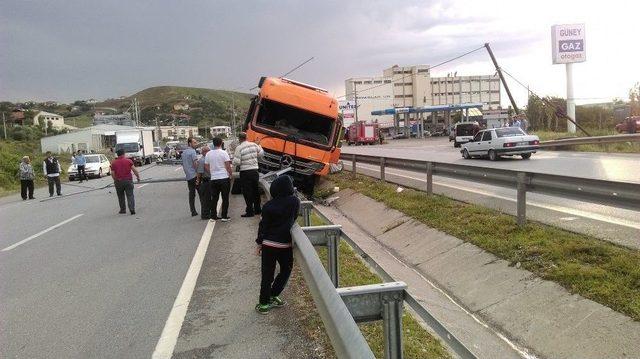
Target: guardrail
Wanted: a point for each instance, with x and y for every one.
(616, 194)
(591, 140)
(342, 308)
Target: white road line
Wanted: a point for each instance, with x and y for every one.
(571, 211)
(177, 168)
(42, 232)
(169, 336)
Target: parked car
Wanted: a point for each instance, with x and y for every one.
(158, 152)
(505, 141)
(97, 166)
(623, 127)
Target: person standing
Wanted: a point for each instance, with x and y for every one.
(218, 164)
(246, 156)
(274, 242)
(51, 168)
(203, 178)
(121, 169)
(81, 163)
(26, 178)
(189, 165)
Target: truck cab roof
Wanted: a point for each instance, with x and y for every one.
(299, 95)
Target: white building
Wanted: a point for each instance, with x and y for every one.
(94, 138)
(413, 86)
(220, 131)
(175, 132)
(56, 120)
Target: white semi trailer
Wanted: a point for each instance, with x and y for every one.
(137, 144)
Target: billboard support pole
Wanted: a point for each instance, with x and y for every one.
(571, 105)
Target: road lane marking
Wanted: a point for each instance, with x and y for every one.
(571, 211)
(42, 232)
(177, 168)
(171, 331)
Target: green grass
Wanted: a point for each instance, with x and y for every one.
(622, 147)
(84, 120)
(11, 153)
(418, 342)
(584, 265)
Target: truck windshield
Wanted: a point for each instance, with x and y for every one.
(128, 147)
(303, 125)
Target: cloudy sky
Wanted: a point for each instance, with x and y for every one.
(78, 49)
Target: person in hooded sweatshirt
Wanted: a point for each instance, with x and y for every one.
(274, 242)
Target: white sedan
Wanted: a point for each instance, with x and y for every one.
(97, 166)
(496, 142)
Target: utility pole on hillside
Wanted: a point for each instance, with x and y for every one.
(4, 126)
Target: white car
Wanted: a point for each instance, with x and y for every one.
(97, 166)
(505, 141)
(158, 152)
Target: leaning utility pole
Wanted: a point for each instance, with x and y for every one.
(504, 83)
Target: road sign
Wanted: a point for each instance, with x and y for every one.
(347, 109)
(568, 44)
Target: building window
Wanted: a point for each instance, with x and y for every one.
(377, 82)
(367, 82)
(387, 81)
(423, 70)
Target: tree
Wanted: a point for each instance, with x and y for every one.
(634, 99)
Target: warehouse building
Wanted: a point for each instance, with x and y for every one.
(90, 139)
(413, 87)
(175, 132)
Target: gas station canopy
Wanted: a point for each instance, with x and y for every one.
(400, 110)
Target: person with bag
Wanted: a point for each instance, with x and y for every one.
(275, 243)
(26, 178)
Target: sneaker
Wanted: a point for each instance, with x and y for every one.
(246, 215)
(263, 308)
(122, 211)
(216, 218)
(226, 219)
(277, 302)
(133, 212)
(193, 214)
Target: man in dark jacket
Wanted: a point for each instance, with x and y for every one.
(274, 242)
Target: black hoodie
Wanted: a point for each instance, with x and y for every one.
(279, 214)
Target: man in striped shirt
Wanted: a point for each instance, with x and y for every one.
(246, 156)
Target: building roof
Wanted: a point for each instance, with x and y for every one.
(44, 113)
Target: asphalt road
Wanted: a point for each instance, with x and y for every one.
(617, 225)
(101, 284)
(606, 166)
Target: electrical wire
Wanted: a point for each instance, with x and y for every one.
(430, 67)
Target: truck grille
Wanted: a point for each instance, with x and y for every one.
(272, 162)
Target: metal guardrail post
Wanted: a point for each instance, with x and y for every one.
(429, 178)
(384, 302)
(305, 211)
(353, 166)
(382, 168)
(521, 202)
(328, 236)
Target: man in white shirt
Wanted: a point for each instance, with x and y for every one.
(218, 164)
(52, 170)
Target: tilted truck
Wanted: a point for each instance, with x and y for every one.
(297, 125)
(137, 144)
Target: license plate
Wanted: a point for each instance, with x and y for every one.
(522, 144)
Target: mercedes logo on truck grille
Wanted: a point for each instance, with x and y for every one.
(286, 161)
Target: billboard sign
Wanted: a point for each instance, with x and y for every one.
(568, 43)
(347, 109)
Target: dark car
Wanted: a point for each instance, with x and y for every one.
(629, 125)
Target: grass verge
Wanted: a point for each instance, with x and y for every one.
(418, 342)
(621, 147)
(584, 265)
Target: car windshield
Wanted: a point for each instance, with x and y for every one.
(128, 147)
(298, 123)
(465, 129)
(509, 132)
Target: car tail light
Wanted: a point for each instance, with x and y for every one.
(509, 144)
(535, 142)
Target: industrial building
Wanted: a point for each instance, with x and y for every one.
(413, 87)
(122, 119)
(94, 138)
(175, 132)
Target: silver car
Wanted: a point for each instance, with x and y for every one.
(496, 142)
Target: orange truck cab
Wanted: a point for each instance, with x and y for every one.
(298, 126)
